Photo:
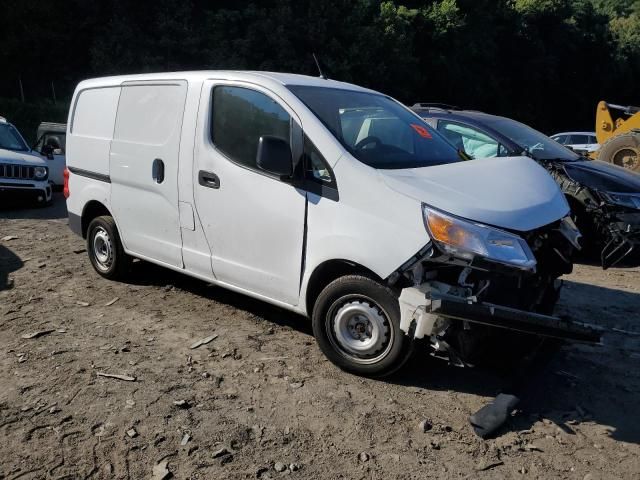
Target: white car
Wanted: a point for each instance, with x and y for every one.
(289, 189)
(23, 175)
(581, 142)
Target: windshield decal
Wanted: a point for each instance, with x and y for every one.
(423, 132)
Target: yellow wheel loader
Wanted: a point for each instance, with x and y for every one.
(618, 133)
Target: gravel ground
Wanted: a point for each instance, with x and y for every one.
(259, 400)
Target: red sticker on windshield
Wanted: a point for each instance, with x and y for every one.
(423, 132)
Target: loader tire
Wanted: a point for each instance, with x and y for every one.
(623, 150)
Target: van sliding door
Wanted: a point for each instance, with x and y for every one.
(144, 169)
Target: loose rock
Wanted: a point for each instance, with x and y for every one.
(220, 452)
(125, 378)
(488, 464)
(425, 426)
(364, 457)
(160, 471)
(204, 341)
(111, 302)
(532, 448)
(279, 467)
(40, 333)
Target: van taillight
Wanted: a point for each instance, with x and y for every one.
(65, 190)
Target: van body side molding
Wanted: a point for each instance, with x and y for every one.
(89, 174)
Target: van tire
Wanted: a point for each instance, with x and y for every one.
(356, 322)
(105, 249)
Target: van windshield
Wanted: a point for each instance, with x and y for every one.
(377, 130)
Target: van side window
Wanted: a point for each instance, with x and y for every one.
(149, 114)
(94, 113)
(319, 177)
(240, 117)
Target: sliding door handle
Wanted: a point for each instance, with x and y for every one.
(157, 171)
(208, 179)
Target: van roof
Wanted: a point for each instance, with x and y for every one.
(249, 76)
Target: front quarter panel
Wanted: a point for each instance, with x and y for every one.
(370, 225)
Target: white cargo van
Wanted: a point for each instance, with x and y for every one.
(321, 197)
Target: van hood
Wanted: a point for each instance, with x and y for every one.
(513, 193)
(13, 157)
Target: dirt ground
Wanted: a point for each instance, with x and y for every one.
(260, 397)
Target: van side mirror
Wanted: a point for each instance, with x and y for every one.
(274, 156)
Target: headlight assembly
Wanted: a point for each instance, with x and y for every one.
(622, 199)
(40, 173)
(466, 240)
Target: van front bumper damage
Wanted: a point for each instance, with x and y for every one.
(427, 309)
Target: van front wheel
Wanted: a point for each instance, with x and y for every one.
(356, 322)
(105, 249)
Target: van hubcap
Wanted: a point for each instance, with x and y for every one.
(360, 330)
(102, 249)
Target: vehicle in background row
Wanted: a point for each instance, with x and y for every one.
(325, 198)
(604, 198)
(580, 142)
(22, 173)
(618, 131)
(51, 144)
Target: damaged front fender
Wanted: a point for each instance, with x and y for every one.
(610, 228)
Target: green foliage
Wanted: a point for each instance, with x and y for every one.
(27, 116)
(546, 62)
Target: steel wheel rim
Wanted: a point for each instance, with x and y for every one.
(359, 329)
(627, 158)
(102, 249)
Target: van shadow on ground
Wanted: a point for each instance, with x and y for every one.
(577, 384)
(9, 262)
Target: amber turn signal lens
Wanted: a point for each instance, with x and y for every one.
(445, 231)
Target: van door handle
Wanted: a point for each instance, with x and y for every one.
(157, 171)
(208, 179)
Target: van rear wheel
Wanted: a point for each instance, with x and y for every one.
(105, 249)
(356, 322)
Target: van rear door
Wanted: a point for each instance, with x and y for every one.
(144, 169)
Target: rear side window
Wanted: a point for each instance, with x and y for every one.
(240, 117)
(149, 114)
(95, 112)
